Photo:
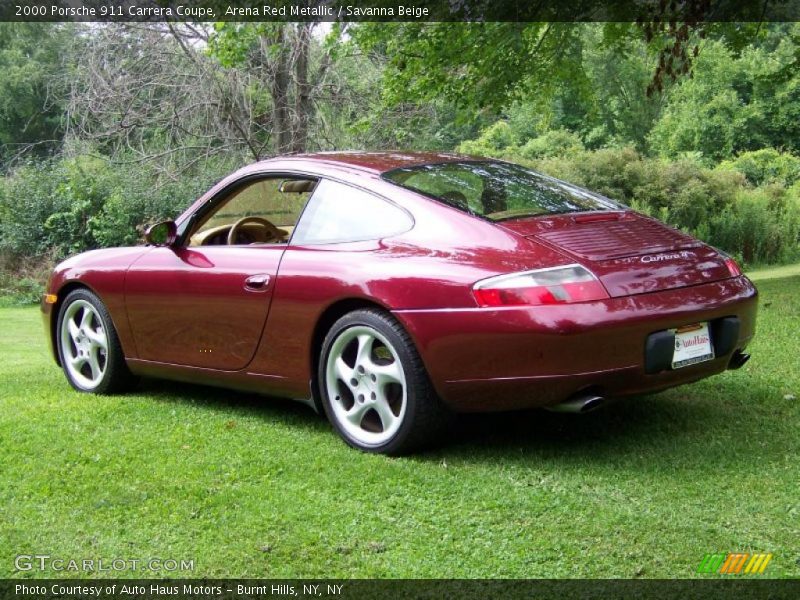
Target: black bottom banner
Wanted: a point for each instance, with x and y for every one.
(225, 589)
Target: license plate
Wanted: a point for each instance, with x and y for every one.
(692, 345)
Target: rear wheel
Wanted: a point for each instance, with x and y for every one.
(88, 347)
(375, 390)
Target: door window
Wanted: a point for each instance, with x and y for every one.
(271, 206)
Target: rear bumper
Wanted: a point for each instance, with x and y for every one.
(502, 359)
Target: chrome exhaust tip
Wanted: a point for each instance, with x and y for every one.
(578, 404)
(738, 360)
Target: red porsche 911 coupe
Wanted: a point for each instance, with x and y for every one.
(392, 289)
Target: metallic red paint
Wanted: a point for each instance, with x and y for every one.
(497, 359)
(193, 306)
(185, 313)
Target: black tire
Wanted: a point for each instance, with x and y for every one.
(423, 416)
(115, 376)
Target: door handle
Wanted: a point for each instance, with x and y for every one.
(258, 282)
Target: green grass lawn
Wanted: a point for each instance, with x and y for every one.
(779, 272)
(250, 486)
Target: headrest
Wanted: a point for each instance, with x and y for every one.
(297, 186)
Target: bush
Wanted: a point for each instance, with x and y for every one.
(66, 206)
(558, 142)
(766, 166)
(757, 229)
(495, 140)
(24, 284)
(603, 170)
(501, 140)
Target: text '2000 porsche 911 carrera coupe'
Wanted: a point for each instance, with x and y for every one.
(393, 289)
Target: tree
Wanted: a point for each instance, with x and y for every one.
(30, 101)
(150, 93)
(280, 56)
(182, 93)
(475, 65)
(492, 65)
(737, 100)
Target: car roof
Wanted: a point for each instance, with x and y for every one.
(351, 166)
(374, 162)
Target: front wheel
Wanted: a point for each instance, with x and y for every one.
(88, 346)
(375, 389)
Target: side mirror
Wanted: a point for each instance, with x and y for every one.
(163, 233)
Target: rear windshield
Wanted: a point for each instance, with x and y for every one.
(498, 190)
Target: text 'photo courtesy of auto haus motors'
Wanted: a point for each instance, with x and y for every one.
(392, 290)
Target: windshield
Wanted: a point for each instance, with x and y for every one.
(498, 190)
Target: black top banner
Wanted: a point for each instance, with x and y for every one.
(692, 11)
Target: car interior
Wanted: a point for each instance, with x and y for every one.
(264, 211)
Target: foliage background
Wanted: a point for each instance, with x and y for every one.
(106, 128)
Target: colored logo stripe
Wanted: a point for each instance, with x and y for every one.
(711, 563)
(733, 563)
(758, 563)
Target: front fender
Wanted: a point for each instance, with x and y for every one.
(103, 273)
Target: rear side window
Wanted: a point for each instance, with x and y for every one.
(341, 213)
(498, 190)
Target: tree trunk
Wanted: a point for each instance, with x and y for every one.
(282, 127)
(303, 104)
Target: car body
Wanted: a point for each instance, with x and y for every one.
(254, 314)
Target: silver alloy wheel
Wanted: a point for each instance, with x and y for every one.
(366, 385)
(84, 344)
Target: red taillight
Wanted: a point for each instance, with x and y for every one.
(558, 285)
(733, 268)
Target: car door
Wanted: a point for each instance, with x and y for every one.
(327, 260)
(204, 302)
